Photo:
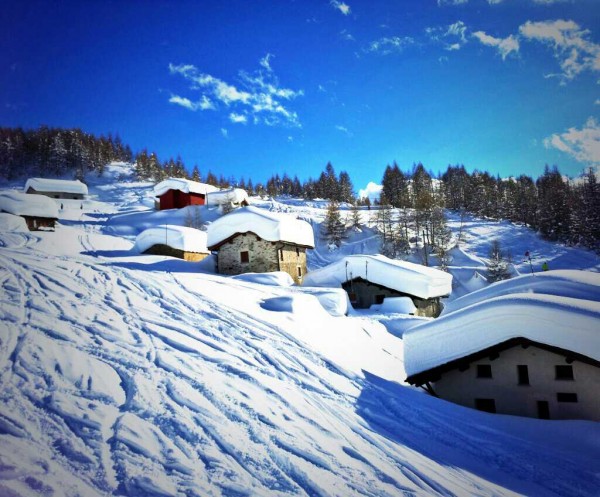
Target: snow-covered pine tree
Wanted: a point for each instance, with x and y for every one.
(497, 267)
(333, 227)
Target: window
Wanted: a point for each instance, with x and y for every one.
(487, 405)
(543, 409)
(566, 397)
(297, 252)
(523, 374)
(299, 272)
(564, 372)
(280, 254)
(245, 256)
(484, 371)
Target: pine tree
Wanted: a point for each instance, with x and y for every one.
(497, 266)
(355, 217)
(333, 226)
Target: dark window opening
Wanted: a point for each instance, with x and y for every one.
(566, 397)
(484, 371)
(564, 372)
(299, 272)
(543, 409)
(280, 254)
(523, 374)
(245, 256)
(297, 252)
(487, 405)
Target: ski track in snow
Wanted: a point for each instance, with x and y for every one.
(118, 381)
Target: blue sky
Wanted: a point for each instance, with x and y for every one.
(256, 88)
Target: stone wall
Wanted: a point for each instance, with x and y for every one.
(161, 249)
(363, 294)
(510, 397)
(263, 257)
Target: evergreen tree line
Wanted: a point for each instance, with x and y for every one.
(57, 151)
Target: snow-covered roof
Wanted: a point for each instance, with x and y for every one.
(406, 277)
(56, 185)
(177, 237)
(10, 222)
(22, 204)
(564, 322)
(230, 195)
(270, 226)
(184, 185)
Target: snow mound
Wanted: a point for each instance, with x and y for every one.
(276, 278)
(228, 196)
(563, 322)
(299, 303)
(270, 226)
(10, 222)
(177, 237)
(414, 279)
(22, 204)
(56, 185)
(563, 283)
(334, 300)
(183, 185)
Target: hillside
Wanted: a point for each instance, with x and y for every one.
(138, 375)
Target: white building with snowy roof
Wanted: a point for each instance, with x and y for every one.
(175, 241)
(38, 211)
(56, 188)
(251, 239)
(370, 279)
(526, 354)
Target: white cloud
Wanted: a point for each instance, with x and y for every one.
(453, 36)
(203, 104)
(346, 35)
(343, 129)
(494, 2)
(385, 46)
(505, 46)
(597, 102)
(582, 144)
(258, 95)
(572, 47)
(372, 190)
(344, 8)
(451, 2)
(238, 118)
(224, 132)
(549, 2)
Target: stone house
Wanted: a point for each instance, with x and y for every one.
(520, 358)
(253, 240)
(370, 279)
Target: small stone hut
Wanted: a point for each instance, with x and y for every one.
(370, 279)
(251, 239)
(174, 241)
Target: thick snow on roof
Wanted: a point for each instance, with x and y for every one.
(566, 283)
(22, 204)
(10, 222)
(270, 226)
(177, 237)
(406, 277)
(56, 185)
(184, 185)
(564, 322)
(230, 195)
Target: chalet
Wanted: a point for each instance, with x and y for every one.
(174, 241)
(176, 193)
(522, 354)
(255, 240)
(39, 212)
(371, 279)
(56, 188)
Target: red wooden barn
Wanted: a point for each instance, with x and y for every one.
(175, 193)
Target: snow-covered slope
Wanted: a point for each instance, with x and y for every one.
(133, 375)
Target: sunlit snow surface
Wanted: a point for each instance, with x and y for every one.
(138, 375)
